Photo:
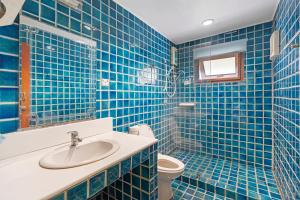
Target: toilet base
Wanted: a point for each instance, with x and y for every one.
(164, 190)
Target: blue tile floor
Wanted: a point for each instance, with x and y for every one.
(185, 191)
(215, 178)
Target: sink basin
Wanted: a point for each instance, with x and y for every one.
(66, 157)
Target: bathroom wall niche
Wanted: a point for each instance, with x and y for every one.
(57, 76)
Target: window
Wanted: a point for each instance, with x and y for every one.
(221, 68)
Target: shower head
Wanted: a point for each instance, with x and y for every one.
(2, 9)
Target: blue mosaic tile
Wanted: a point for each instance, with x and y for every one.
(184, 191)
(125, 166)
(286, 103)
(227, 178)
(9, 94)
(31, 8)
(132, 186)
(59, 197)
(97, 183)
(11, 31)
(52, 99)
(9, 125)
(50, 3)
(9, 62)
(112, 174)
(231, 120)
(136, 181)
(145, 186)
(145, 172)
(78, 192)
(136, 159)
(136, 193)
(9, 79)
(48, 14)
(8, 111)
(145, 154)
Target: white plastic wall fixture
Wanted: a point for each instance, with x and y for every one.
(13, 8)
(75, 4)
(173, 56)
(274, 45)
(222, 48)
(187, 104)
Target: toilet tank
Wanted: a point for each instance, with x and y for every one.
(143, 130)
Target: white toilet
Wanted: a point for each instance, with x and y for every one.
(168, 167)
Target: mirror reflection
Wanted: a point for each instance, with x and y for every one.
(57, 78)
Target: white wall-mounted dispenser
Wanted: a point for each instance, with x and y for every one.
(173, 56)
(274, 45)
(9, 9)
(75, 4)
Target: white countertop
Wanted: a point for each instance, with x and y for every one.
(22, 178)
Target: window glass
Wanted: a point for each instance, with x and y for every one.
(219, 66)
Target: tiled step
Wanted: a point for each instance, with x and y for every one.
(227, 178)
(184, 191)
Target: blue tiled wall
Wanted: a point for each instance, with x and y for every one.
(286, 117)
(231, 120)
(140, 183)
(125, 45)
(9, 62)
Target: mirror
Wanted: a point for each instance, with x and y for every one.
(57, 76)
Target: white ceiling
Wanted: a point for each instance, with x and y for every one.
(180, 20)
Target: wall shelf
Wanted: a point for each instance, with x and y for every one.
(187, 104)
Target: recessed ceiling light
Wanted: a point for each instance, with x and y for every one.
(207, 22)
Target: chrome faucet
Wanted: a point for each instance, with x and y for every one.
(74, 138)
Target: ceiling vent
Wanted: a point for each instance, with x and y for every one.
(75, 4)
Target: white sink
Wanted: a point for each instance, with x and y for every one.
(66, 157)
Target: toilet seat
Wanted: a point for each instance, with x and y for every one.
(170, 165)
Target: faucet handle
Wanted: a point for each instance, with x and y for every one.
(73, 133)
(74, 138)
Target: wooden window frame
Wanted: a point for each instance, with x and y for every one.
(239, 66)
